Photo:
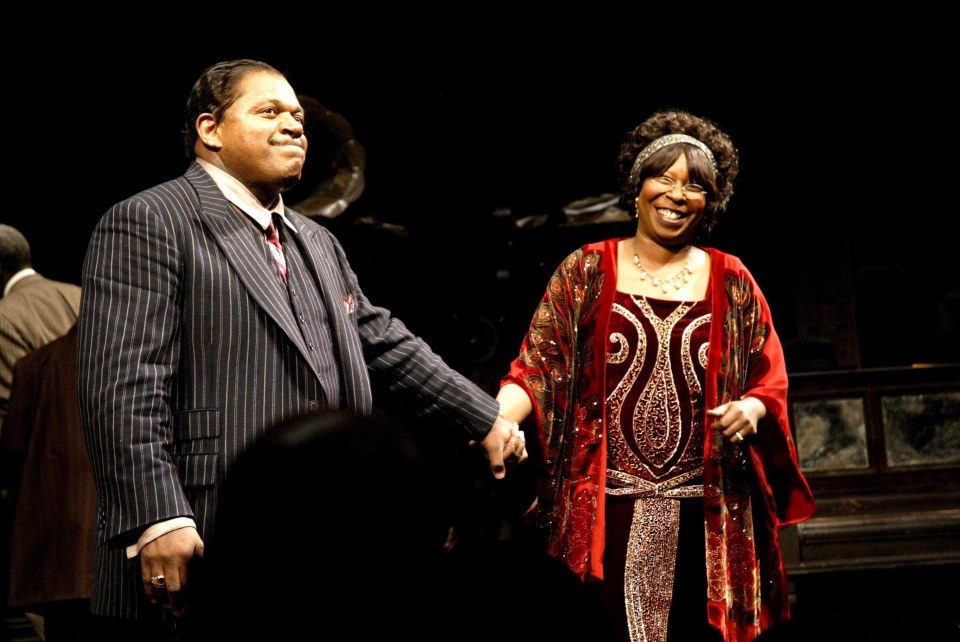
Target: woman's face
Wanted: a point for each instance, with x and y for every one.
(668, 215)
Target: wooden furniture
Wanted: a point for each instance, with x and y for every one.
(881, 450)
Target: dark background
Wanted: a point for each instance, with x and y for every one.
(847, 140)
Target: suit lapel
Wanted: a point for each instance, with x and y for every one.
(241, 246)
(340, 306)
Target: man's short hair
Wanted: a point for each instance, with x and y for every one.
(214, 92)
(14, 249)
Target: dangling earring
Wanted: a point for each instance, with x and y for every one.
(636, 207)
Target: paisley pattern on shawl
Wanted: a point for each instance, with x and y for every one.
(733, 578)
(557, 358)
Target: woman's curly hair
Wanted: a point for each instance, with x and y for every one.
(719, 184)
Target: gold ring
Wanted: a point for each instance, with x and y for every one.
(158, 581)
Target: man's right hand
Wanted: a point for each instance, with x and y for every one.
(169, 557)
(505, 443)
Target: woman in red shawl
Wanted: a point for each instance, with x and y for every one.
(658, 387)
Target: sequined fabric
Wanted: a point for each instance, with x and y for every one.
(554, 374)
(733, 579)
(648, 576)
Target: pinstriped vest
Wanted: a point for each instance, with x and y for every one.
(311, 316)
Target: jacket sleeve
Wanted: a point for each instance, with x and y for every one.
(129, 333)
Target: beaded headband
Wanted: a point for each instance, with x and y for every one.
(670, 139)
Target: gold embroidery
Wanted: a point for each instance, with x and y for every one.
(651, 562)
(621, 484)
(692, 382)
(656, 419)
(615, 398)
(620, 355)
(654, 436)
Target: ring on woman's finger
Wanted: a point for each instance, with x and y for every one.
(738, 436)
(158, 581)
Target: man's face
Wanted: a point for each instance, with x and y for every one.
(261, 135)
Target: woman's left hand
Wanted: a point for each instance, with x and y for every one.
(738, 420)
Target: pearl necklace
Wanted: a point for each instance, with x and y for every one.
(679, 279)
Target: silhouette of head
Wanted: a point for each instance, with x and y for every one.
(330, 519)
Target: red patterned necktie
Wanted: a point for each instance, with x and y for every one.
(275, 248)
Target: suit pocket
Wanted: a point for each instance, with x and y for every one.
(196, 424)
(198, 470)
(196, 446)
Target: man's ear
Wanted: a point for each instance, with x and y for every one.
(208, 131)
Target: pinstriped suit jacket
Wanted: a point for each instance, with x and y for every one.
(188, 350)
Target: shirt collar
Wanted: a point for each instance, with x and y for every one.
(238, 194)
(16, 277)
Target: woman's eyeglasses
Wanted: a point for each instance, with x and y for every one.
(691, 190)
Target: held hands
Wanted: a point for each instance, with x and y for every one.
(504, 444)
(164, 563)
(738, 420)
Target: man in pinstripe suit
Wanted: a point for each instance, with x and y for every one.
(211, 312)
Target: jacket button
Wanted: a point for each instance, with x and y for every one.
(313, 405)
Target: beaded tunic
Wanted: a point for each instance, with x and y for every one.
(656, 356)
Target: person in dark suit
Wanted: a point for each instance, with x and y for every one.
(211, 311)
(33, 311)
(42, 450)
